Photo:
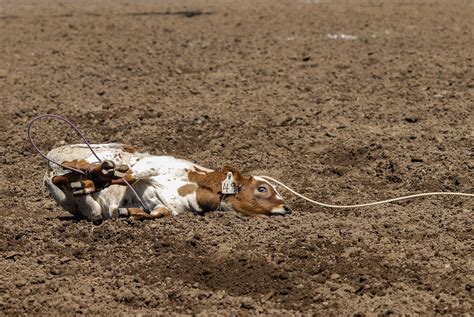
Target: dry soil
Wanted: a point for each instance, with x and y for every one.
(347, 101)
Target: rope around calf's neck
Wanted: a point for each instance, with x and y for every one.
(270, 179)
(60, 118)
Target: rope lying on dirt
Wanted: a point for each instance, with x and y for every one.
(268, 178)
(60, 118)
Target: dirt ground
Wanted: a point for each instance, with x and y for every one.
(346, 101)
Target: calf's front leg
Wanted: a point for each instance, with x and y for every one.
(97, 177)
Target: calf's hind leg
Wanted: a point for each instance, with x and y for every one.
(138, 213)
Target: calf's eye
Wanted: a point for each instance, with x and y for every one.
(262, 189)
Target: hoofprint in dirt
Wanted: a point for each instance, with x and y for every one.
(272, 87)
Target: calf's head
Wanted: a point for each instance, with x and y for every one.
(255, 196)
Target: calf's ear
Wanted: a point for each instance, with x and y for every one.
(240, 179)
(235, 172)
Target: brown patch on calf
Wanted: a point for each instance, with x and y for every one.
(81, 164)
(213, 180)
(128, 148)
(187, 189)
(138, 213)
(84, 187)
(209, 188)
(66, 179)
(207, 200)
(210, 181)
(128, 177)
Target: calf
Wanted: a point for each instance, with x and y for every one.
(166, 185)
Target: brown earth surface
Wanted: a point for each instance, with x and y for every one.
(268, 86)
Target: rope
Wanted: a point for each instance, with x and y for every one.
(268, 178)
(30, 125)
(60, 118)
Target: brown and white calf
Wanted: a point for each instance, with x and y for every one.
(166, 185)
